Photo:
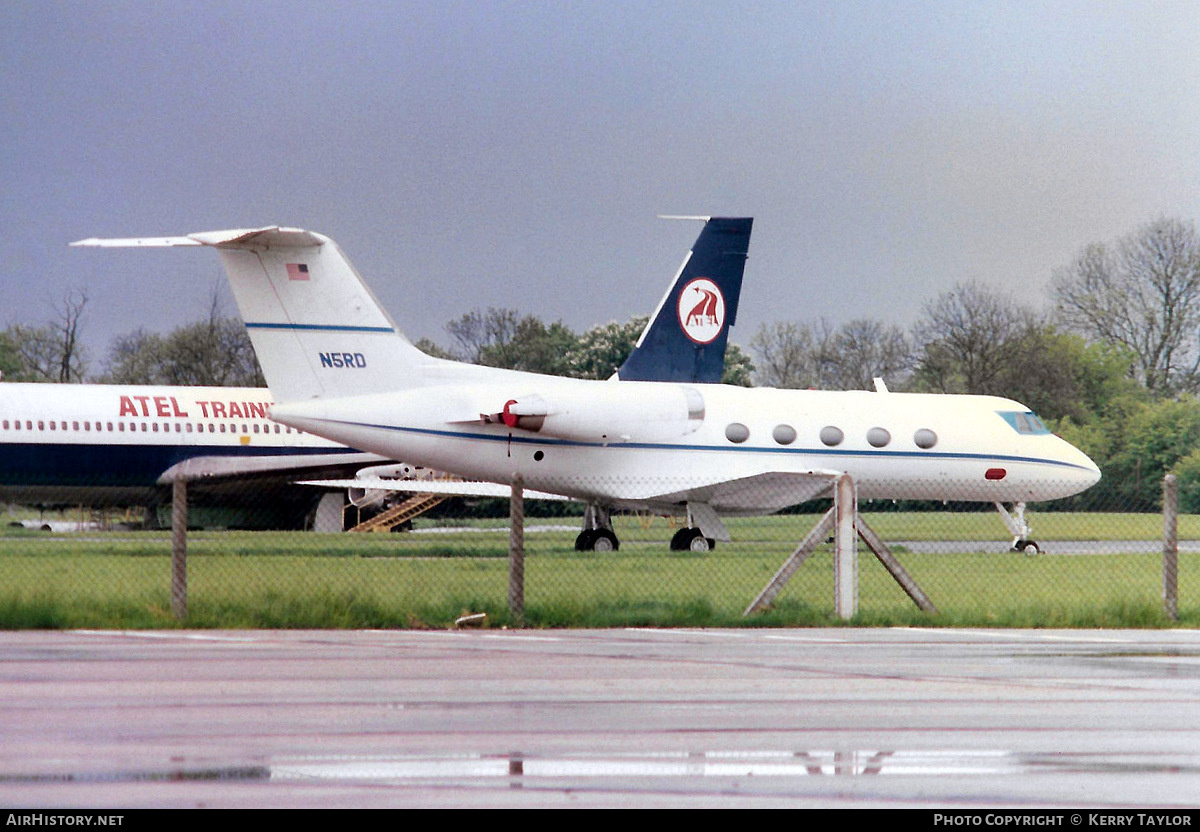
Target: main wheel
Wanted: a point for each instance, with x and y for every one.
(597, 540)
(605, 541)
(682, 539)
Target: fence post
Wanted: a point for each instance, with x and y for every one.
(845, 559)
(516, 553)
(179, 522)
(1171, 546)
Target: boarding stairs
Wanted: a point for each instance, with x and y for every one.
(401, 513)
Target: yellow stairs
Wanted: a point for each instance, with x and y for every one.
(415, 505)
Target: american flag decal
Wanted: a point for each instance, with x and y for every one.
(297, 271)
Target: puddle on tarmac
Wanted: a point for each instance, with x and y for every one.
(384, 768)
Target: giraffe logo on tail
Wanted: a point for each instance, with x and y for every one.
(701, 310)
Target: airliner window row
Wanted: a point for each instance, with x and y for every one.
(145, 427)
(830, 435)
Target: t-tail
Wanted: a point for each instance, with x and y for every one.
(317, 329)
(686, 338)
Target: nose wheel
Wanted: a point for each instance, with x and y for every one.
(1029, 548)
(1018, 527)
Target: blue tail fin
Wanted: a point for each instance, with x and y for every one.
(686, 338)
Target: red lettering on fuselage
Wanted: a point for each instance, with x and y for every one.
(166, 407)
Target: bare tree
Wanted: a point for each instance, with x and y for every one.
(970, 339)
(801, 355)
(863, 350)
(786, 355)
(53, 352)
(478, 332)
(213, 352)
(1143, 294)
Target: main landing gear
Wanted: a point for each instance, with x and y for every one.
(692, 540)
(597, 534)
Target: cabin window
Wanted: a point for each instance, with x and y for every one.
(832, 436)
(6, 424)
(878, 437)
(784, 434)
(53, 425)
(925, 438)
(737, 432)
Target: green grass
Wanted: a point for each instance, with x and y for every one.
(303, 580)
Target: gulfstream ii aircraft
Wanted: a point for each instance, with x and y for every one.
(114, 445)
(339, 367)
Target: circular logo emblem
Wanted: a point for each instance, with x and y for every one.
(701, 310)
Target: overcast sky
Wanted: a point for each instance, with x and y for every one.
(475, 154)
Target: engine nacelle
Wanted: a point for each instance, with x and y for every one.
(628, 412)
(392, 471)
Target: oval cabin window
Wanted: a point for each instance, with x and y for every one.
(832, 436)
(737, 432)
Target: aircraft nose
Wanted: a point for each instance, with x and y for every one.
(1088, 473)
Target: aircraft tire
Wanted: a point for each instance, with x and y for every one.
(1029, 548)
(583, 543)
(605, 541)
(682, 539)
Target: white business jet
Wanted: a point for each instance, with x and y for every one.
(339, 367)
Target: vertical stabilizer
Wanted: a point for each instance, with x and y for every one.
(317, 329)
(686, 339)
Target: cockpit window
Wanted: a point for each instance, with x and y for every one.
(1024, 423)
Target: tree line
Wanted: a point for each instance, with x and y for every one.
(1113, 365)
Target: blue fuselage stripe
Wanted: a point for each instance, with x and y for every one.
(318, 327)
(815, 452)
(65, 464)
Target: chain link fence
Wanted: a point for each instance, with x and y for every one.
(449, 564)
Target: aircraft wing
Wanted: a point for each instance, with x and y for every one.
(757, 494)
(209, 468)
(452, 488)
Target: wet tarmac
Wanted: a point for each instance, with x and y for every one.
(611, 718)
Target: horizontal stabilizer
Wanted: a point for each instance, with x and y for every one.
(448, 487)
(269, 237)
